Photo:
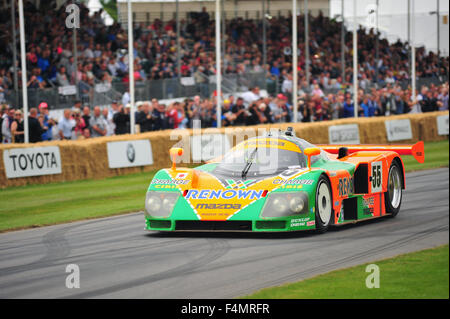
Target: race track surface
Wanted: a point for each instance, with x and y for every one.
(118, 259)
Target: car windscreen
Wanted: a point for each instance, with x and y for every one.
(260, 161)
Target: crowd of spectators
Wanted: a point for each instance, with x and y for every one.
(102, 51)
(102, 58)
(251, 108)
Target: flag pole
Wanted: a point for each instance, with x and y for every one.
(24, 71)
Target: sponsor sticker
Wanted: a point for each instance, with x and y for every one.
(283, 181)
(181, 175)
(224, 194)
(345, 186)
(217, 206)
(170, 181)
(398, 130)
(442, 124)
(343, 134)
(32, 161)
(231, 183)
(297, 222)
(129, 153)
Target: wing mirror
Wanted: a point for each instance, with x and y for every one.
(174, 153)
(311, 151)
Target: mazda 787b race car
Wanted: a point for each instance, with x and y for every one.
(277, 183)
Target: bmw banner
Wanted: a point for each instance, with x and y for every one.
(129, 153)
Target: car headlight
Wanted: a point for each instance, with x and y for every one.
(285, 204)
(160, 204)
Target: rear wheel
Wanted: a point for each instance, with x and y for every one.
(324, 210)
(393, 196)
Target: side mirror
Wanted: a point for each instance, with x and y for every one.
(174, 153)
(311, 151)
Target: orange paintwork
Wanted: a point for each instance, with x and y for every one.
(417, 150)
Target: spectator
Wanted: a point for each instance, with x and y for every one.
(252, 95)
(3, 111)
(98, 123)
(61, 77)
(77, 106)
(110, 126)
(144, 118)
(122, 120)
(281, 112)
(240, 112)
(87, 116)
(85, 135)
(35, 129)
(443, 98)
(8, 118)
(227, 115)
(337, 107)
(348, 108)
(429, 102)
(66, 125)
(159, 117)
(17, 129)
(80, 125)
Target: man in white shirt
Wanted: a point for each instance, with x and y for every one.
(126, 97)
(251, 96)
(66, 125)
(110, 126)
(98, 123)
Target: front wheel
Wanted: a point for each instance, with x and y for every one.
(393, 196)
(324, 210)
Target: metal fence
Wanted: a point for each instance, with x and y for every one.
(104, 94)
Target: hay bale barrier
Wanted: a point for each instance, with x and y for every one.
(88, 159)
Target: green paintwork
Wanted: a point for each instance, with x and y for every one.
(183, 210)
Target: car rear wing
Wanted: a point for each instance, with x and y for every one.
(416, 150)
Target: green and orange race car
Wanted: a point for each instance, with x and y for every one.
(279, 183)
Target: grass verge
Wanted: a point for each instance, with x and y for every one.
(417, 275)
(39, 205)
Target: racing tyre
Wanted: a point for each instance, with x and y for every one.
(324, 209)
(393, 196)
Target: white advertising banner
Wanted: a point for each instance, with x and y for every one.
(208, 146)
(32, 161)
(129, 153)
(343, 134)
(442, 124)
(398, 130)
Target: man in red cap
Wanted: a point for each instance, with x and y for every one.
(43, 110)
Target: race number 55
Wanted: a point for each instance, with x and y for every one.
(377, 177)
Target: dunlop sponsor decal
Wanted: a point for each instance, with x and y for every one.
(297, 222)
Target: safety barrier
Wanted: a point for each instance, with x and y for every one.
(60, 161)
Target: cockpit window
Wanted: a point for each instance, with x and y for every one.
(256, 161)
